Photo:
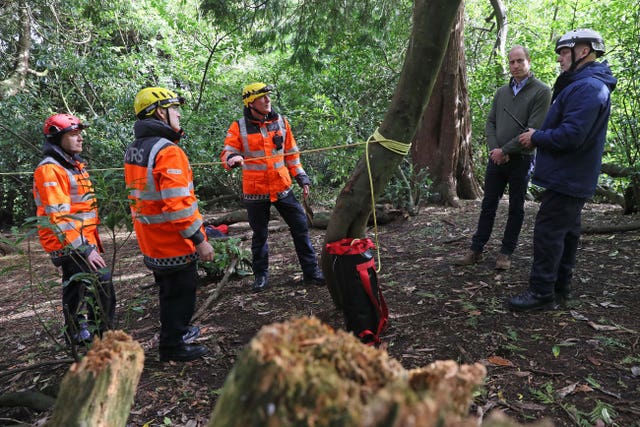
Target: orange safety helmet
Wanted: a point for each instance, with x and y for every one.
(59, 124)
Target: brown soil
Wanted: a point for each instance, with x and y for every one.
(566, 365)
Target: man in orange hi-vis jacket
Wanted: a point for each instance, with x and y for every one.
(63, 194)
(261, 142)
(166, 219)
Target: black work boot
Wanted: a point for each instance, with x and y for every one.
(529, 300)
(182, 353)
(260, 283)
(316, 279)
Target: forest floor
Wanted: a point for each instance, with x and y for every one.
(573, 365)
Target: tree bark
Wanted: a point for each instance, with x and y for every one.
(16, 80)
(432, 21)
(99, 390)
(630, 201)
(442, 145)
(500, 46)
(612, 228)
(27, 399)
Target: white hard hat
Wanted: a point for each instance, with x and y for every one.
(582, 35)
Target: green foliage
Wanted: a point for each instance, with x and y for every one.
(545, 394)
(537, 26)
(335, 68)
(226, 251)
(602, 412)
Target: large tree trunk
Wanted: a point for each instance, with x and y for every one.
(99, 390)
(442, 145)
(432, 21)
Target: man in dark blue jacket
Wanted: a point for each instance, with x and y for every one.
(569, 144)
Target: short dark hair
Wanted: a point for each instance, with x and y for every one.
(524, 49)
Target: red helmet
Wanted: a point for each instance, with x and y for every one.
(59, 124)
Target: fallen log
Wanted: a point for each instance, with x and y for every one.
(610, 228)
(304, 373)
(99, 390)
(320, 220)
(29, 399)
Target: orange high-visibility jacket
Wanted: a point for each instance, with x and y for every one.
(164, 208)
(64, 193)
(264, 178)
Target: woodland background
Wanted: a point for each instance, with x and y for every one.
(335, 65)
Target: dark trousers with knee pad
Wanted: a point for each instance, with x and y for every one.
(293, 214)
(85, 290)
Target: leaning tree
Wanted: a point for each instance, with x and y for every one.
(432, 22)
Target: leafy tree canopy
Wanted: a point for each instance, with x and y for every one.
(334, 64)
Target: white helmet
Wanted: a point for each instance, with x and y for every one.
(582, 35)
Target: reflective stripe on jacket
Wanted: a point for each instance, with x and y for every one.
(164, 206)
(264, 178)
(64, 194)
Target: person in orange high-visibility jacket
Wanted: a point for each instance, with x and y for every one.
(261, 142)
(166, 219)
(64, 195)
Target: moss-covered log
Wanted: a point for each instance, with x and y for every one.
(303, 373)
(99, 390)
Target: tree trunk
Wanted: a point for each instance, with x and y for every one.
(304, 373)
(442, 145)
(500, 46)
(99, 390)
(16, 80)
(630, 200)
(432, 21)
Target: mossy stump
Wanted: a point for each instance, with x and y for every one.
(99, 390)
(303, 373)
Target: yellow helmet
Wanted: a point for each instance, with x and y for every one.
(150, 98)
(253, 91)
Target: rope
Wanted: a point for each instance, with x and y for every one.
(202, 164)
(396, 147)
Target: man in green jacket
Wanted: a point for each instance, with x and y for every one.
(518, 105)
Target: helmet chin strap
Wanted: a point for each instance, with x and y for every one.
(168, 117)
(264, 116)
(574, 63)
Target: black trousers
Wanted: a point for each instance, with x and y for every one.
(516, 172)
(87, 291)
(293, 214)
(555, 242)
(177, 294)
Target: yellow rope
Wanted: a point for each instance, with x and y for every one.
(401, 148)
(396, 147)
(312, 150)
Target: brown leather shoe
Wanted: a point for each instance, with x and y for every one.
(470, 257)
(503, 262)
